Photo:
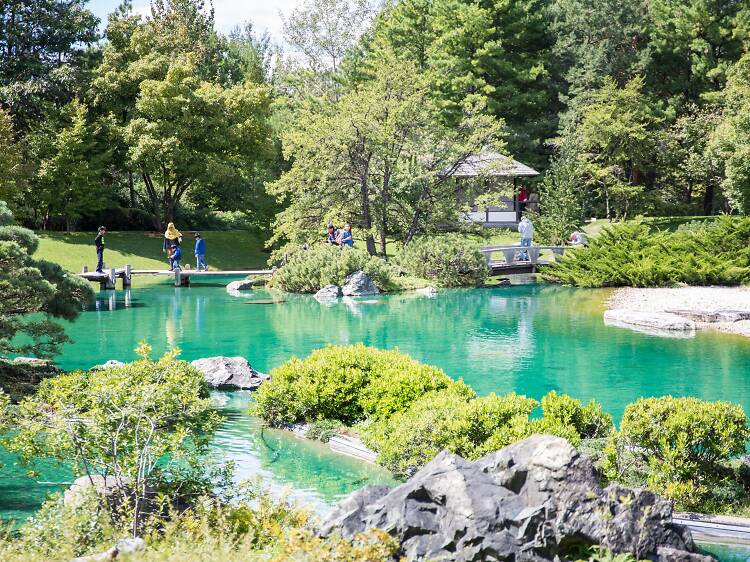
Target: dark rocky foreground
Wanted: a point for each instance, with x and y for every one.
(537, 500)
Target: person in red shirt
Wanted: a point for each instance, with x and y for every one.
(523, 199)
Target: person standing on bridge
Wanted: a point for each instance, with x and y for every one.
(172, 240)
(526, 228)
(99, 243)
(200, 253)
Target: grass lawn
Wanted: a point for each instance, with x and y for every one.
(143, 250)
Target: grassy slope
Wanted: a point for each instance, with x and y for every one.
(143, 250)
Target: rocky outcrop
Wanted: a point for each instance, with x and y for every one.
(712, 316)
(359, 284)
(242, 285)
(427, 291)
(655, 320)
(124, 547)
(231, 373)
(533, 501)
(328, 293)
(111, 364)
(83, 486)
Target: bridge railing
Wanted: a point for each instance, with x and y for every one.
(516, 254)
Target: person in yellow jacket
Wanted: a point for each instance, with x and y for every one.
(172, 239)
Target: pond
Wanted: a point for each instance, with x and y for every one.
(527, 338)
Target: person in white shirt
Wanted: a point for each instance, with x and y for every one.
(526, 228)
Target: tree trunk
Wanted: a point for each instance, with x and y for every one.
(131, 189)
(708, 199)
(366, 213)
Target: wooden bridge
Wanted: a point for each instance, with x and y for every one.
(108, 279)
(514, 261)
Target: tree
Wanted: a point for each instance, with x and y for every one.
(34, 292)
(11, 163)
(69, 180)
(378, 157)
(616, 136)
(144, 426)
(598, 39)
(731, 142)
(187, 131)
(43, 55)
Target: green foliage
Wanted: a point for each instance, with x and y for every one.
(631, 254)
(34, 291)
(309, 270)
(347, 384)
(589, 421)
(449, 261)
(146, 425)
(679, 443)
(323, 430)
(249, 526)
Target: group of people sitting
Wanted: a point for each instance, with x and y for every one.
(172, 241)
(341, 237)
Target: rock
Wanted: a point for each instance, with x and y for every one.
(328, 293)
(359, 284)
(229, 372)
(111, 364)
(83, 486)
(428, 291)
(32, 362)
(530, 501)
(504, 283)
(657, 320)
(242, 285)
(123, 546)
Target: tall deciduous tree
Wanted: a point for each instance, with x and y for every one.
(378, 157)
(187, 131)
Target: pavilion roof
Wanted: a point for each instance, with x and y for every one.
(493, 164)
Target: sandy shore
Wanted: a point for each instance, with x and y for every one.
(698, 300)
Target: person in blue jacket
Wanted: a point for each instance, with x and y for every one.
(176, 257)
(345, 236)
(200, 253)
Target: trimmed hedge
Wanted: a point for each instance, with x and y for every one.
(632, 254)
(308, 271)
(449, 261)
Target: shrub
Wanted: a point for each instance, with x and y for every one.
(589, 421)
(449, 261)
(444, 419)
(346, 384)
(631, 254)
(680, 443)
(308, 271)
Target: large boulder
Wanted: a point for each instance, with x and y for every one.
(533, 501)
(328, 293)
(359, 284)
(232, 373)
(241, 285)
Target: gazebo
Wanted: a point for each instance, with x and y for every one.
(495, 167)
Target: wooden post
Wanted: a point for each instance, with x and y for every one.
(534, 254)
(111, 279)
(510, 255)
(177, 277)
(85, 269)
(126, 277)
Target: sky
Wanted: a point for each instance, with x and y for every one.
(263, 14)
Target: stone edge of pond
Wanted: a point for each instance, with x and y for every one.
(343, 444)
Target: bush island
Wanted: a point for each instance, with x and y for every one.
(632, 254)
(308, 271)
(449, 261)
(678, 444)
(347, 384)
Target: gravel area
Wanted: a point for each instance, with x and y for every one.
(695, 299)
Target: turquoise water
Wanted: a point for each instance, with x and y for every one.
(529, 339)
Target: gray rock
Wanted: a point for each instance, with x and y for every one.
(530, 501)
(427, 291)
(235, 287)
(123, 546)
(229, 373)
(711, 317)
(83, 486)
(328, 293)
(111, 364)
(359, 284)
(656, 320)
(32, 362)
